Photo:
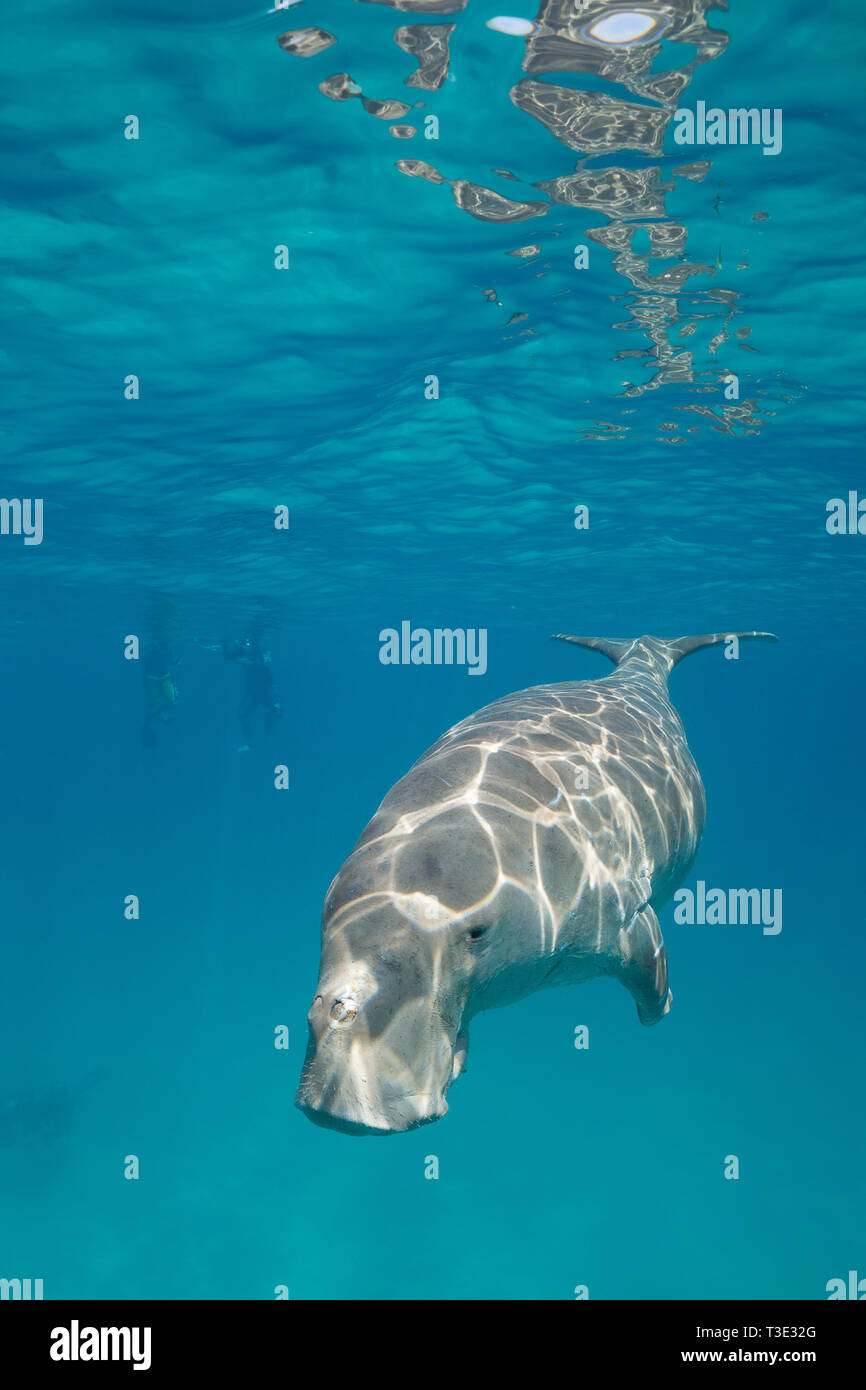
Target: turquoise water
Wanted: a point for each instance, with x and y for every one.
(306, 388)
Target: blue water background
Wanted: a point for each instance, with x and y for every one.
(558, 1167)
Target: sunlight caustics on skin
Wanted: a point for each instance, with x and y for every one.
(528, 847)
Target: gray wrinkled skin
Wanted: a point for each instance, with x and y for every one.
(530, 846)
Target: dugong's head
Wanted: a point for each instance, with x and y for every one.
(383, 1045)
(416, 921)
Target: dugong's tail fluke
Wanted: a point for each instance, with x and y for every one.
(684, 646)
(657, 652)
(616, 648)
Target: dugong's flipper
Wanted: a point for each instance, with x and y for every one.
(643, 966)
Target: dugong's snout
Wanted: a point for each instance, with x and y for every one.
(375, 1065)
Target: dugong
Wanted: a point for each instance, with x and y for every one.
(530, 846)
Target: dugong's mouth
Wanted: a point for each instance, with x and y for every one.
(328, 1120)
(381, 1053)
(343, 1090)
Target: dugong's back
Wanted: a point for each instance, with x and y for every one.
(592, 776)
(602, 762)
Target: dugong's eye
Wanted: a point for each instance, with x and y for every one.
(476, 933)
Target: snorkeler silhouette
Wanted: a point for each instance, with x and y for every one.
(160, 689)
(258, 691)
